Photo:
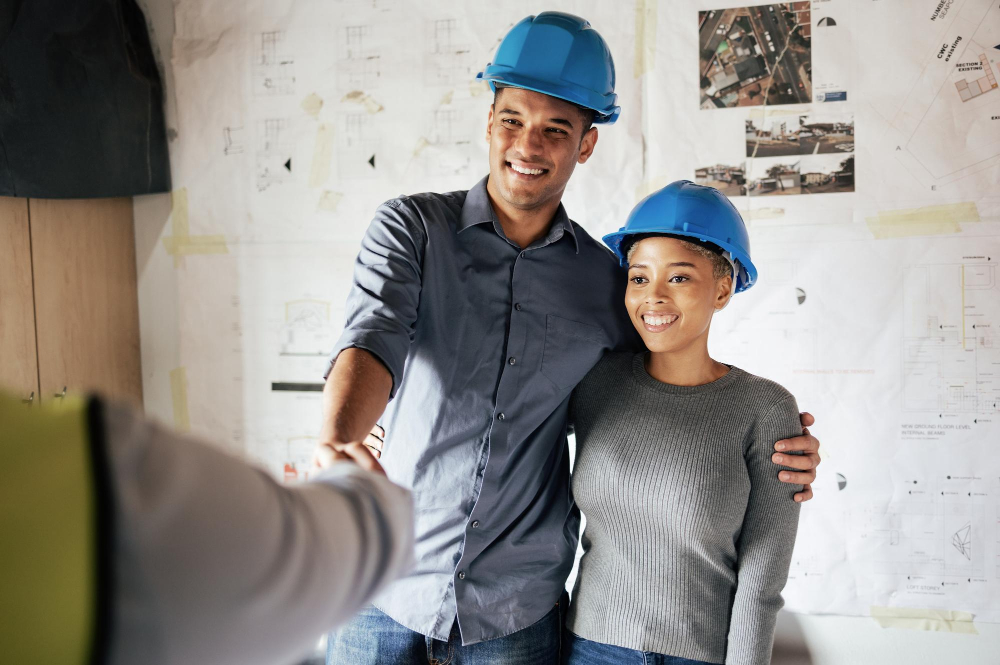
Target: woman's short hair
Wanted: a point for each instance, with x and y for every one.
(720, 265)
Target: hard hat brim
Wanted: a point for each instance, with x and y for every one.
(744, 280)
(605, 115)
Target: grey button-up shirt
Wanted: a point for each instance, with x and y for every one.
(484, 341)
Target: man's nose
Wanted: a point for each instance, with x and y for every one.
(529, 144)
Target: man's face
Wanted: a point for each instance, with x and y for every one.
(535, 143)
(672, 294)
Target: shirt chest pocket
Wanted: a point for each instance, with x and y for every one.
(571, 350)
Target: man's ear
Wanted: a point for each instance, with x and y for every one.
(489, 125)
(587, 144)
(723, 292)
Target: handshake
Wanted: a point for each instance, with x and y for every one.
(363, 453)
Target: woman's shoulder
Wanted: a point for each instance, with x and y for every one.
(611, 364)
(610, 370)
(764, 394)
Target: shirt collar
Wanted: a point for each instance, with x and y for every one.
(478, 210)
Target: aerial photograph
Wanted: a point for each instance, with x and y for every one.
(750, 56)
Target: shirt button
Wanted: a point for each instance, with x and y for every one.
(512, 360)
(517, 306)
(523, 254)
(475, 524)
(500, 416)
(461, 575)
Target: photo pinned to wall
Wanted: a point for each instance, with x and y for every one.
(827, 174)
(773, 176)
(818, 146)
(826, 133)
(773, 135)
(755, 56)
(802, 134)
(728, 179)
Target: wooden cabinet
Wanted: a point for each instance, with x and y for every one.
(69, 315)
(18, 356)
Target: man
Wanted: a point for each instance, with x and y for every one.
(477, 313)
(124, 542)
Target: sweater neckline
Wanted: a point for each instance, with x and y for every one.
(647, 381)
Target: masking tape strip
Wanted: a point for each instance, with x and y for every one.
(926, 221)
(312, 104)
(322, 153)
(948, 621)
(329, 201)
(763, 213)
(645, 36)
(178, 394)
(359, 97)
(182, 243)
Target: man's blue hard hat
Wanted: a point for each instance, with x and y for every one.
(692, 211)
(558, 55)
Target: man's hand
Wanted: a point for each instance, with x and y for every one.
(362, 454)
(806, 463)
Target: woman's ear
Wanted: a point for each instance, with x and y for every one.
(723, 292)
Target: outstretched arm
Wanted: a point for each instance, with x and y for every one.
(215, 562)
(366, 367)
(355, 395)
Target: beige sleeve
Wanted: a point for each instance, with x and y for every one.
(215, 562)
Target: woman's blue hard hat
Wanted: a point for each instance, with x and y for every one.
(692, 211)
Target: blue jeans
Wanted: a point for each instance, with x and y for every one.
(373, 638)
(578, 651)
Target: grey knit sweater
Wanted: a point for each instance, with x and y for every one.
(689, 532)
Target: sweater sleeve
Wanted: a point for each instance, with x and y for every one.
(764, 548)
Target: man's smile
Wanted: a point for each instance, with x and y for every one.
(526, 171)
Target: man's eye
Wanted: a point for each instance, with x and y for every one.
(556, 130)
(677, 279)
(510, 121)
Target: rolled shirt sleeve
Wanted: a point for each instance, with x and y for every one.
(382, 305)
(215, 562)
(764, 548)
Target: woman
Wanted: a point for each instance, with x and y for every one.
(689, 532)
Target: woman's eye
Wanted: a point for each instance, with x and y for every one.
(638, 280)
(677, 279)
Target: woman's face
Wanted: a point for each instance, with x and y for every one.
(672, 294)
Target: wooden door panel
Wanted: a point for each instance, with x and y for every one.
(18, 356)
(86, 299)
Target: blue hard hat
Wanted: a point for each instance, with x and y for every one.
(558, 55)
(693, 211)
